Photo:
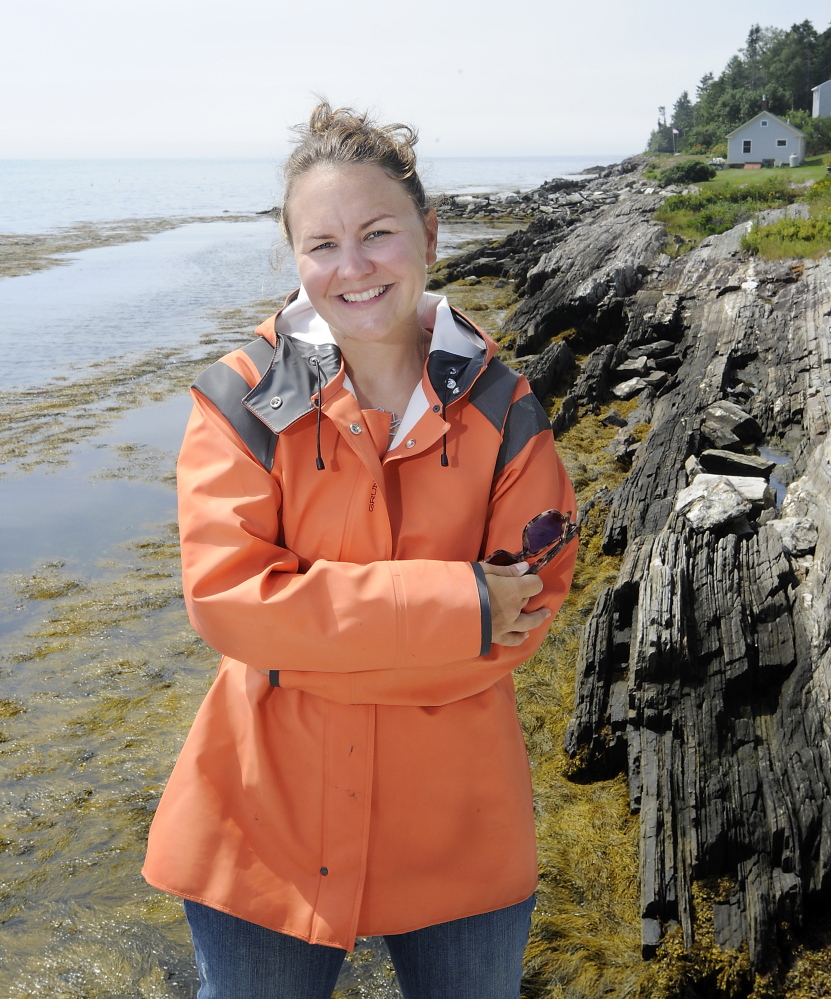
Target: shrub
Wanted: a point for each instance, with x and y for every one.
(790, 238)
(819, 191)
(715, 211)
(688, 172)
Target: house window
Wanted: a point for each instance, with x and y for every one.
(781, 142)
(764, 123)
(746, 146)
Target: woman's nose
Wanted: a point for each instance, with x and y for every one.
(354, 261)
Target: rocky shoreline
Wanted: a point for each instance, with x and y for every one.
(704, 672)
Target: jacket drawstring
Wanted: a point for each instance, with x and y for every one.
(444, 460)
(319, 460)
(450, 384)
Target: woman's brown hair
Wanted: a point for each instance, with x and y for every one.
(344, 136)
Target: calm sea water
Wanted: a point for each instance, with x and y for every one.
(40, 195)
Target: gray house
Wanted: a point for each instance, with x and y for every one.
(766, 139)
(822, 100)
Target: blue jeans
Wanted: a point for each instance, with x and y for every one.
(479, 957)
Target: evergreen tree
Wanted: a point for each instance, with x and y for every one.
(682, 114)
(783, 66)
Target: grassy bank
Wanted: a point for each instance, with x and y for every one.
(737, 196)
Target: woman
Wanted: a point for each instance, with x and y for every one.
(357, 767)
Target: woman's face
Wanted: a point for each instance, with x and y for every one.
(362, 251)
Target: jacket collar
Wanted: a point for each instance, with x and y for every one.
(306, 359)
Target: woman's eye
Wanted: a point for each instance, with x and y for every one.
(322, 246)
(377, 232)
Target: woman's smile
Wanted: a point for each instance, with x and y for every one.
(364, 296)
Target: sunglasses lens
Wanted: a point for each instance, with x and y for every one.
(502, 557)
(545, 531)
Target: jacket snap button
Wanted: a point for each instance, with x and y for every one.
(436, 409)
(410, 442)
(314, 359)
(451, 383)
(324, 871)
(276, 402)
(355, 428)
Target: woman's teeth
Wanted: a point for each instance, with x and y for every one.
(364, 296)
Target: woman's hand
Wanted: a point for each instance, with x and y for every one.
(510, 590)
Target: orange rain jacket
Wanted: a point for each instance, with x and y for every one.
(383, 786)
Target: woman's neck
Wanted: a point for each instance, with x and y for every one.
(384, 374)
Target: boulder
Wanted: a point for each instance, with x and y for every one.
(710, 503)
(659, 348)
(751, 487)
(799, 534)
(725, 423)
(632, 368)
(614, 419)
(656, 379)
(628, 389)
(730, 463)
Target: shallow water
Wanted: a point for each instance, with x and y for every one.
(118, 300)
(778, 480)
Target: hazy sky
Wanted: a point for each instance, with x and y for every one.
(91, 78)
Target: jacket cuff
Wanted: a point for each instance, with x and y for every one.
(484, 608)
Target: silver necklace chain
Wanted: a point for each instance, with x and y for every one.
(395, 421)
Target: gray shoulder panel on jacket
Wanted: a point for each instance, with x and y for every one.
(261, 353)
(493, 390)
(225, 388)
(526, 419)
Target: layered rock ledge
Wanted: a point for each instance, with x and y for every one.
(704, 672)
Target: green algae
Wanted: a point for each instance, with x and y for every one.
(109, 678)
(41, 425)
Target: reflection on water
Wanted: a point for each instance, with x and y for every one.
(780, 477)
(119, 300)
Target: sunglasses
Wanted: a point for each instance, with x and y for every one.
(549, 530)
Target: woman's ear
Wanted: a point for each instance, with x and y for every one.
(431, 227)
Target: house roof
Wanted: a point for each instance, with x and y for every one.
(821, 86)
(773, 117)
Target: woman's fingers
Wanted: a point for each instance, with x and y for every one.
(510, 591)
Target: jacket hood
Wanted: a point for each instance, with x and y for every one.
(307, 358)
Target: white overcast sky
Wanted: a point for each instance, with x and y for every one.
(119, 78)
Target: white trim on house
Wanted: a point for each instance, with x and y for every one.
(768, 115)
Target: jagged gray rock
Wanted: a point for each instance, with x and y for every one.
(733, 463)
(586, 276)
(705, 671)
(710, 501)
(545, 369)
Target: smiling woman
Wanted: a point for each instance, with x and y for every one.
(357, 767)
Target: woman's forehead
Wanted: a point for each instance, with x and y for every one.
(354, 193)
